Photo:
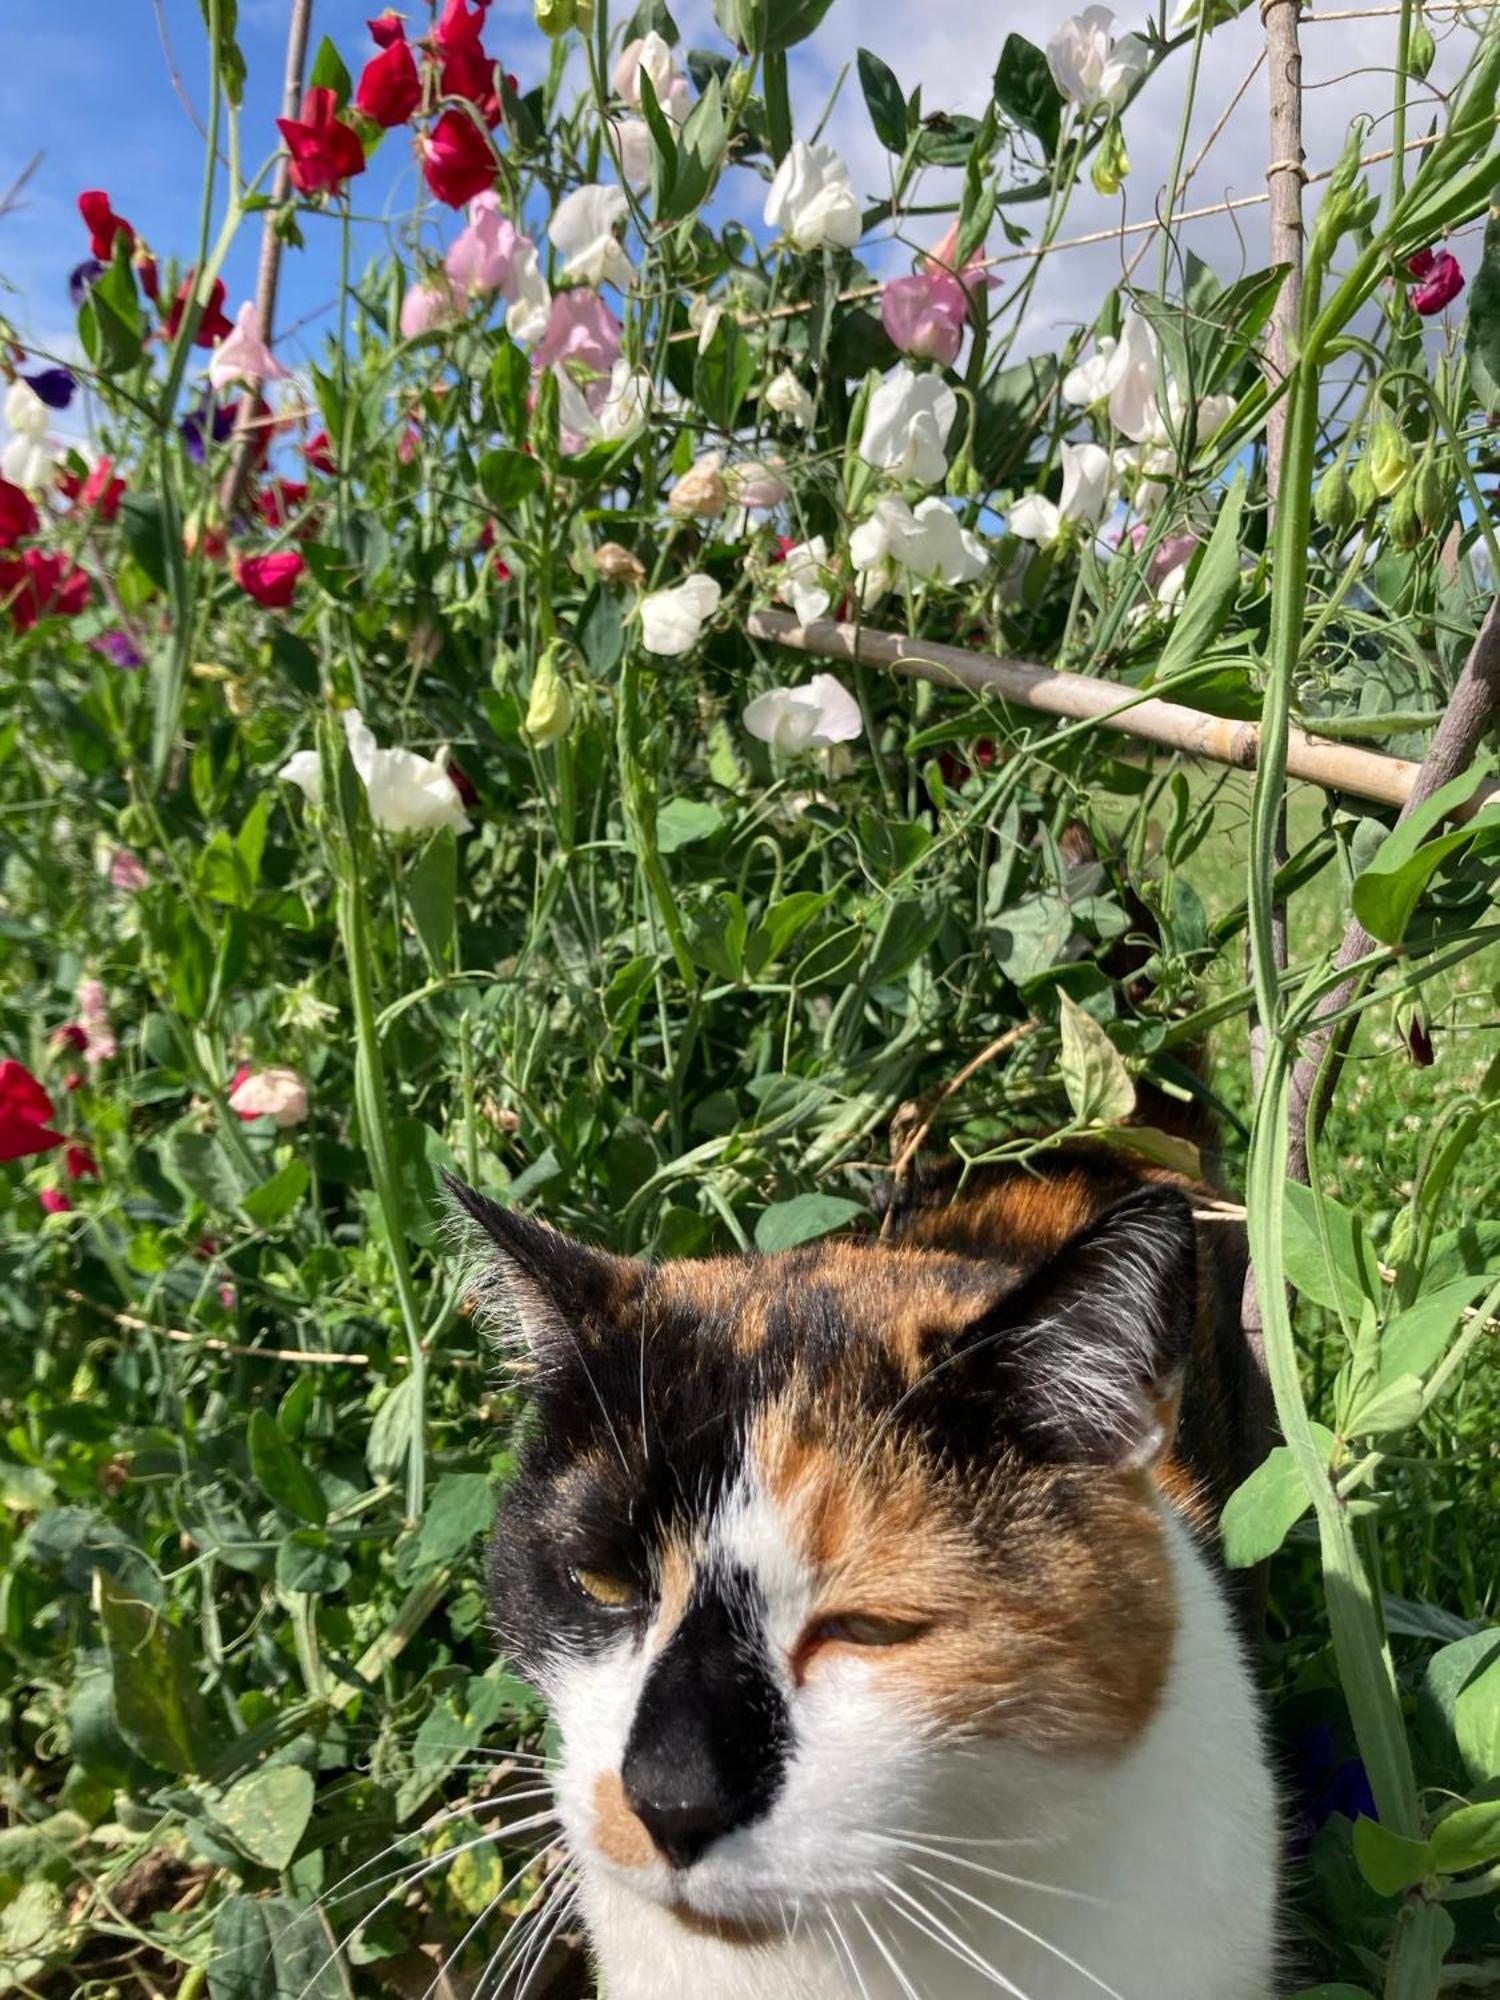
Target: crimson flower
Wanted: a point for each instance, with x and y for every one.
(390, 89)
(99, 494)
(103, 224)
(387, 29)
(54, 1201)
(1439, 277)
(468, 69)
(79, 1163)
(214, 326)
(318, 452)
(18, 517)
(280, 501)
(457, 160)
(70, 1035)
(37, 585)
(25, 1114)
(270, 580)
(325, 151)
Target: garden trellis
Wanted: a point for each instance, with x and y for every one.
(678, 686)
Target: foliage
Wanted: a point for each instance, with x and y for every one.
(561, 917)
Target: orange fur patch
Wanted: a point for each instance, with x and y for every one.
(618, 1834)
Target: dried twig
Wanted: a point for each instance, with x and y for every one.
(902, 1164)
(315, 1357)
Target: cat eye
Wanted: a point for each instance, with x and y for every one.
(613, 1593)
(859, 1628)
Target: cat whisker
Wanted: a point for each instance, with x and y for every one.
(933, 1927)
(995, 1874)
(489, 1909)
(836, 1931)
(1014, 1924)
(885, 1952)
(518, 1935)
(545, 1938)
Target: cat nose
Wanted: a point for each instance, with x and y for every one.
(684, 1811)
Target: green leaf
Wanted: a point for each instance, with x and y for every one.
(1395, 1406)
(157, 1707)
(509, 385)
(780, 924)
(203, 1168)
(601, 631)
(1414, 1341)
(281, 1474)
(1099, 1086)
(143, 518)
(1389, 887)
(266, 1948)
(885, 101)
(806, 1216)
(265, 1814)
(228, 58)
(110, 323)
(1264, 1508)
(432, 898)
(329, 73)
(507, 477)
(768, 26)
(700, 150)
(390, 1434)
(1468, 1838)
(1213, 586)
(663, 144)
(453, 1726)
(1025, 92)
(274, 1200)
(1355, 1275)
(722, 374)
(1476, 1725)
(716, 936)
(683, 821)
(462, 1506)
(307, 1562)
(1389, 1861)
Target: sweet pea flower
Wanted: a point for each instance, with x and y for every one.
(36, 585)
(387, 28)
(325, 151)
(468, 69)
(26, 1114)
(99, 493)
(99, 1044)
(428, 306)
(812, 199)
(18, 517)
(606, 412)
(54, 1201)
(483, 251)
(701, 493)
(55, 386)
(925, 315)
(1090, 66)
(813, 717)
(756, 485)
(583, 233)
(672, 620)
(906, 428)
(786, 396)
(704, 315)
(27, 458)
(458, 162)
(389, 88)
(1086, 483)
(212, 424)
(582, 336)
(119, 649)
(929, 542)
(126, 872)
(651, 54)
(244, 357)
(103, 224)
(278, 1094)
(407, 793)
(1124, 372)
(1439, 277)
(637, 148)
(213, 324)
(802, 581)
(79, 1163)
(270, 580)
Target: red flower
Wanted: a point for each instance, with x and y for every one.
(390, 89)
(1440, 280)
(17, 515)
(37, 585)
(457, 160)
(101, 493)
(79, 1163)
(70, 1036)
(319, 455)
(325, 151)
(387, 29)
(25, 1114)
(214, 326)
(270, 580)
(104, 224)
(54, 1201)
(463, 784)
(468, 70)
(280, 501)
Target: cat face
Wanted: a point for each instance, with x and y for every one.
(793, 1536)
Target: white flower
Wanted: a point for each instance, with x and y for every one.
(583, 232)
(786, 396)
(408, 793)
(279, 1094)
(928, 542)
(1088, 476)
(907, 425)
(1090, 381)
(756, 484)
(633, 137)
(802, 581)
(672, 620)
(27, 458)
(604, 413)
(529, 294)
(805, 718)
(651, 54)
(704, 315)
(1090, 66)
(812, 199)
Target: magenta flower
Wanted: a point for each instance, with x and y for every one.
(583, 335)
(1439, 277)
(925, 315)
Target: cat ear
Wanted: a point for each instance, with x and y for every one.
(1092, 1348)
(530, 1278)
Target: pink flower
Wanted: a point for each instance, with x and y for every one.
(244, 356)
(93, 1017)
(54, 1201)
(126, 872)
(481, 257)
(583, 336)
(279, 1094)
(1440, 280)
(1170, 554)
(427, 307)
(925, 315)
(270, 580)
(457, 160)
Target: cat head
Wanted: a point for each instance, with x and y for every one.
(792, 1536)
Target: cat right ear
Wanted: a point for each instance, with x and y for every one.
(531, 1279)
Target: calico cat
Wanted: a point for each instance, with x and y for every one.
(873, 1590)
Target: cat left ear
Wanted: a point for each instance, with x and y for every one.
(550, 1288)
(1093, 1347)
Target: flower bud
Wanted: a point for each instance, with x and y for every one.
(549, 712)
(502, 669)
(1334, 505)
(1403, 524)
(1111, 162)
(1434, 494)
(701, 493)
(1362, 488)
(1390, 458)
(613, 563)
(1421, 49)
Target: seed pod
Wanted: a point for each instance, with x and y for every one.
(1334, 505)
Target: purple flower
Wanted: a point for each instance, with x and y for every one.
(199, 425)
(54, 386)
(82, 277)
(119, 649)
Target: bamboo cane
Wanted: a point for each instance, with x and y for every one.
(1337, 767)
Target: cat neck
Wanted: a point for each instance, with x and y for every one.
(1151, 1878)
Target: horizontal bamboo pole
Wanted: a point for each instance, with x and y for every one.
(1337, 767)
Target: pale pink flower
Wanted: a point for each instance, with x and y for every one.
(483, 253)
(243, 356)
(582, 336)
(126, 872)
(279, 1094)
(93, 1017)
(925, 315)
(429, 305)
